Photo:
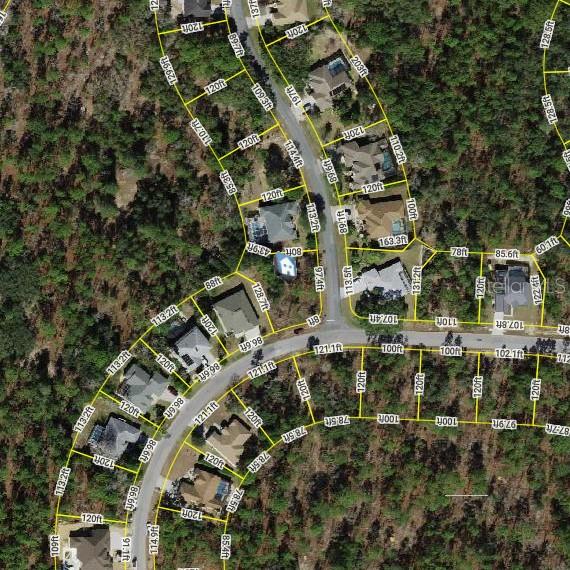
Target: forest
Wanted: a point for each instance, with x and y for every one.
(462, 83)
(367, 496)
(110, 211)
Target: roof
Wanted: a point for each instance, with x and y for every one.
(280, 221)
(513, 288)
(368, 161)
(230, 440)
(391, 277)
(197, 8)
(92, 545)
(235, 311)
(140, 388)
(114, 438)
(329, 78)
(285, 265)
(206, 489)
(193, 347)
(382, 217)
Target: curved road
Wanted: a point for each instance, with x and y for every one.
(152, 480)
(334, 330)
(313, 173)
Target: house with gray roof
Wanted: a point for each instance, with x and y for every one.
(391, 278)
(141, 388)
(512, 288)
(278, 221)
(113, 438)
(194, 349)
(192, 8)
(327, 80)
(367, 161)
(236, 314)
(197, 8)
(88, 549)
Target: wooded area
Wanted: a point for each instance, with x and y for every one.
(109, 211)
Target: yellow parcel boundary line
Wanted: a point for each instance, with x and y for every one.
(100, 391)
(294, 359)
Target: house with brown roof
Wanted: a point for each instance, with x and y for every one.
(367, 161)
(229, 439)
(327, 80)
(205, 490)
(380, 217)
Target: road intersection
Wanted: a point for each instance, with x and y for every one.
(337, 328)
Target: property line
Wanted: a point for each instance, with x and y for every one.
(333, 142)
(166, 32)
(229, 153)
(175, 373)
(178, 511)
(245, 277)
(279, 39)
(241, 477)
(421, 357)
(314, 22)
(359, 190)
(259, 199)
(267, 436)
(149, 347)
(480, 300)
(311, 411)
(268, 317)
(112, 398)
(213, 519)
(216, 22)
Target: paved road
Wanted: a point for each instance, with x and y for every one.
(336, 332)
(332, 311)
(313, 172)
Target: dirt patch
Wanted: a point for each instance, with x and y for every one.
(127, 186)
(325, 44)
(438, 8)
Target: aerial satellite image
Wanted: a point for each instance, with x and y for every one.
(284, 284)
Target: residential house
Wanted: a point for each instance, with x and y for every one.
(327, 80)
(285, 266)
(229, 439)
(89, 549)
(381, 217)
(236, 314)
(141, 388)
(205, 490)
(391, 279)
(512, 288)
(194, 8)
(194, 349)
(113, 438)
(367, 161)
(275, 223)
